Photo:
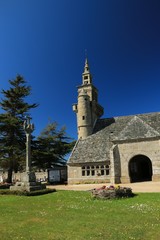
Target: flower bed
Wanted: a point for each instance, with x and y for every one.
(112, 192)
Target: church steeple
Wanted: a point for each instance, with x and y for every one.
(86, 67)
(87, 109)
(86, 76)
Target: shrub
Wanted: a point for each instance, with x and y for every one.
(5, 186)
(26, 193)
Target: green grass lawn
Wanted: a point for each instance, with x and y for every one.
(73, 215)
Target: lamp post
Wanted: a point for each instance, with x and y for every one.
(28, 128)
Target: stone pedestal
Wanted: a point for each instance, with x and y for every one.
(28, 183)
(28, 177)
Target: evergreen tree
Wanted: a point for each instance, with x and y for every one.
(12, 135)
(51, 147)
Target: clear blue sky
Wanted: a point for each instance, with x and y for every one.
(45, 41)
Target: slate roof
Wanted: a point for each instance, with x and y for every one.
(96, 148)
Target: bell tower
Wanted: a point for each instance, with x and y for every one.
(87, 109)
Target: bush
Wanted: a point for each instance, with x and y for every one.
(26, 193)
(5, 186)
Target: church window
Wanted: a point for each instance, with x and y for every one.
(85, 82)
(85, 78)
(93, 172)
(107, 171)
(83, 117)
(88, 172)
(100, 170)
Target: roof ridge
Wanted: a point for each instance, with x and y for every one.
(131, 115)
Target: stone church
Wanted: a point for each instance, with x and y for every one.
(112, 150)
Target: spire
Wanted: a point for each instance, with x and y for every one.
(86, 76)
(86, 67)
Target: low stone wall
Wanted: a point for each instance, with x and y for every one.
(40, 176)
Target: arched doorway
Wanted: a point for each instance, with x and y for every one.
(140, 169)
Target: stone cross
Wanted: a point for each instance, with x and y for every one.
(28, 128)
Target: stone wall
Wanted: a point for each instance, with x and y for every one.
(149, 149)
(75, 176)
(40, 176)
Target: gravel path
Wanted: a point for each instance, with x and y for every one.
(136, 187)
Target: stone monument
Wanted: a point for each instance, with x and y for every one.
(28, 178)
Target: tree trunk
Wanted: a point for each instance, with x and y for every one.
(9, 178)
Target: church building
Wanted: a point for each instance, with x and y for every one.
(112, 150)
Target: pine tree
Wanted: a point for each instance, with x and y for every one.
(12, 136)
(51, 147)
